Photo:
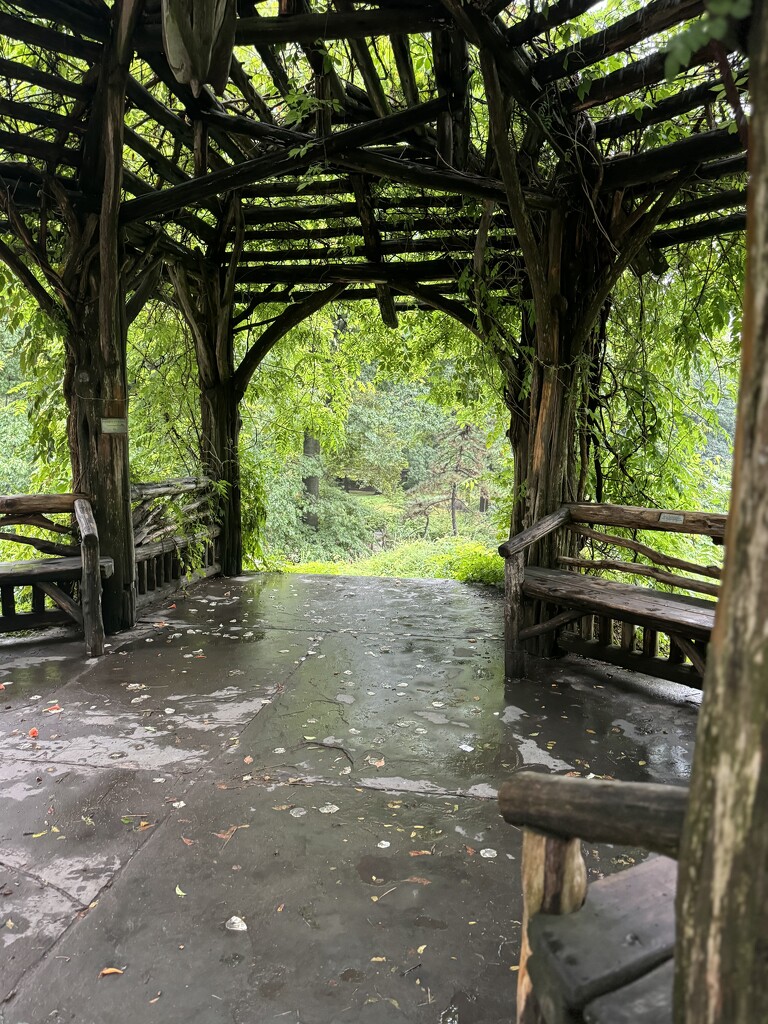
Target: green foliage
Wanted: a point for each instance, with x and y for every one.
(661, 424)
(717, 24)
(448, 558)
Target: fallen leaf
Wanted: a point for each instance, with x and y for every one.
(180, 892)
(281, 908)
(33, 733)
(470, 850)
(420, 950)
(378, 959)
(36, 835)
(248, 760)
(418, 880)
(110, 970)
(54, 709)
(187, 842)
(419, 853)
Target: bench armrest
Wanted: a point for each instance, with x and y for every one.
(631, 813)
(545, 526)
(86, 523)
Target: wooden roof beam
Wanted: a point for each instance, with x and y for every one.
(537, 22)
(29, 32)
(642, 24)
(664, 110)
(309, 28)
(382, 273)
(17, 72)
(86, 19)
(725, 199)
(401, 49)
(38, 149)
(410, 173)
(635, 76)
(254, 215)
(394, 247)
(407, 226)
(709, 228)
(16, 110)
(318, 150)
(660, 163)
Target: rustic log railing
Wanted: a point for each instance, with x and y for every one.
(64, 587)
(557, 598)
(612, 961)
(175, 538)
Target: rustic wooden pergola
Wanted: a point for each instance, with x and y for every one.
(453, 155)
(444, 155)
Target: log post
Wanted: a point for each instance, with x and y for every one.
(96, 379)
(90, 582)
(722, 951)
(514, 648)
(554, 880)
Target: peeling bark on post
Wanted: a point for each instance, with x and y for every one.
(722, 944)
(554, 880)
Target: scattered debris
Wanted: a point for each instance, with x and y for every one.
(236, 924)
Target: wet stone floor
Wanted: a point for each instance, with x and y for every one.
(317, 757)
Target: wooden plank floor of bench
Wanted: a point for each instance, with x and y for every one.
(47, 570)
(624, 931)
(644, 607)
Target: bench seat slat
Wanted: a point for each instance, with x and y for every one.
(625, 929)
(49, 570)
(635, 604)
(646, 1001)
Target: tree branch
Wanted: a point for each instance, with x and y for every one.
(506, 156)
(635, 241)
(288, 319)
(44, 299)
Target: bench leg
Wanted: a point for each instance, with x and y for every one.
(554, 879)
(90, 600)
(514, 653)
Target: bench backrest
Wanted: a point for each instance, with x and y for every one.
(598, 538)
(42, 522)
(604, 539)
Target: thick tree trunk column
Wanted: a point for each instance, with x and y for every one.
(221, 424)
(311, 481)
(96, 379)
(98, 440)
(722, 951)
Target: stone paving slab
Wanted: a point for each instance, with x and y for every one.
(336, 918)
(328, 716)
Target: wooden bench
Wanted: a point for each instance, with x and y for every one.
(66, 586)
(601, 954)
(176, 540)
(567, 605)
